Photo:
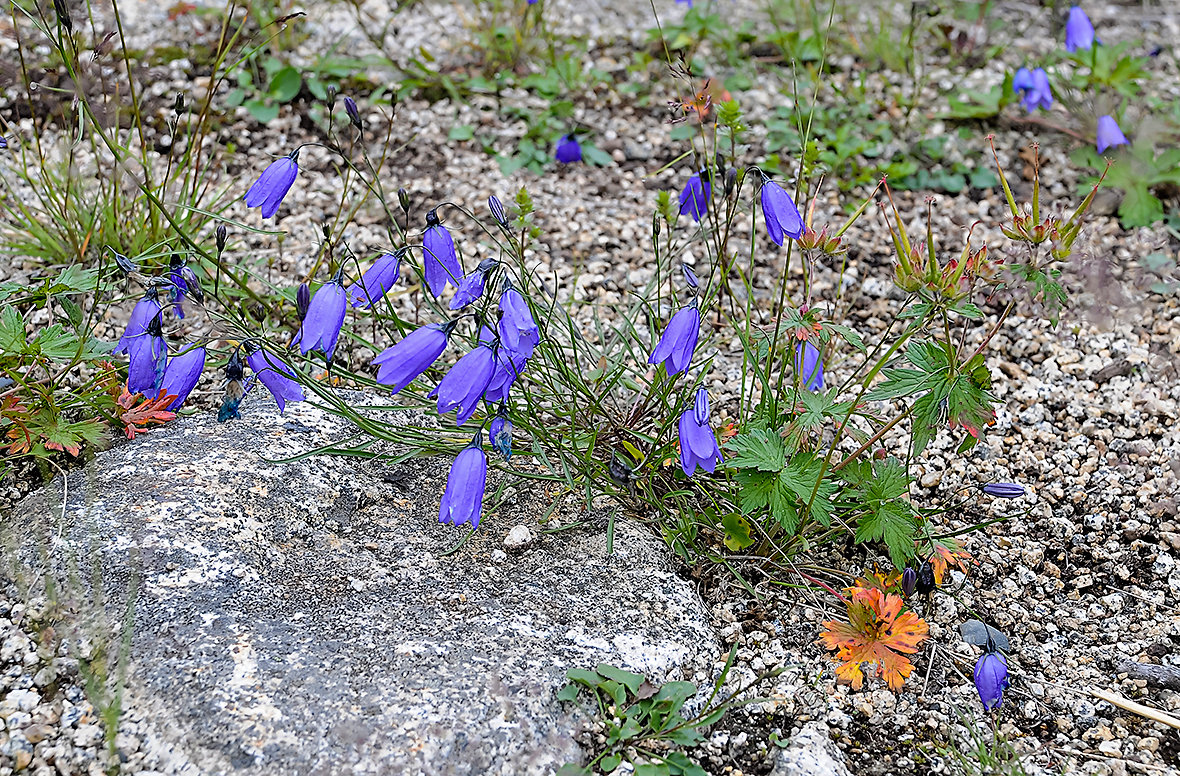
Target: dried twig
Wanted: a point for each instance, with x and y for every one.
(1164, 676)
(1126, 704)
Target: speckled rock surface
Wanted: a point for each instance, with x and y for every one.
(301, 617)
(811, 753)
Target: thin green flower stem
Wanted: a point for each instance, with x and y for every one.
(147, 174)
(872, 440)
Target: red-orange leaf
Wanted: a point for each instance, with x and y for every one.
(878, 632)
(146, 412)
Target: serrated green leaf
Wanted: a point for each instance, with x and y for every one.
(56, 343)
(72, 310)
(758, 449)
(594, 155)
(73, 279)
(12, 332)
(898, 382)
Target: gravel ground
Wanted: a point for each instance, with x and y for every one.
(1081, 576)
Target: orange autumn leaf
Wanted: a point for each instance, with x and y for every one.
(877, 632)
(947, 554)
(136, 417)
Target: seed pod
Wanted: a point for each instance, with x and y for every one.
(178, 103)
(655, 224)
(925, 581)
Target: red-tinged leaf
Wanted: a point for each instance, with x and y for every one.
(946, 554)
(877, 632)
(134, 417)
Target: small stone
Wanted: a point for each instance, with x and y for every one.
(518, 538)
(1111, 748)
(38, 733)
(931, 479)
(22, 759)
(87, 736)
(1149, 743)
(24, 700)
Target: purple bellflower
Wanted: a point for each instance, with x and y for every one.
(325, 316)
(1109, 134)
(377, 280)
(276, 376)
(1003, 489)
(1033, 88)
(810, 366)
(471, 287)
(568, 150)
(268, 191)
(1079, 31)
(440, 264)
(184, 282)
(181, 375)
(509, 365)
(145, 310)
(679, 341)
(698, 443)
(462, 501)
(500, 434)
(147, 356)
(782, 217)
(518, 331)
(694, 198)
(991, 679)
(463, 385)
(400, 365)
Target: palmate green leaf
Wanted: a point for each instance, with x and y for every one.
(898, 382)
(56, 343)
(758, 449)
(893, 523)
(848, 334)
(73, 279)
(12, 332)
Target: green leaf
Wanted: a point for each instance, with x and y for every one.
(610, 762)
(568, 693)
(461, 132)
(12, 331)
(652, 769)
(757, 449)
(590, 679)
(56, 343)
(677, 693)
(592, 154)
(262, 111)
(285, 84)
(737, 532)
(626, 678)
(72, 310)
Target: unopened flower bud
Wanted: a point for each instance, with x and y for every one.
(222, 234)
(178, 103)
(354, 115)
(1003, 490)
(655, 224)
(403, 199)
(909, 581)
(497, 208)
(330, 99)
(730, 180)
(690, 277)
(302, 300)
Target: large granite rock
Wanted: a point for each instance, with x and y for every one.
(301, 617)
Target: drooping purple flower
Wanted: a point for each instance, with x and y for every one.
(509, 365)
(568, 150)
(325, 316)
(147, 356)
(268, 191)
(462, 387)
(698, 443)
(147, 308)
(440, 264)
(694, 197)
(471, 287)
(782, 217)
(500, 434)
(183, 282)
(276, 376)
(462, 501)
(518, 331)
(1109, 134)
(810, 366)
(679, 341)
(1079, 32)
(181, 375)
(377, 280)
(991, 679)
(400, 365)
(1003, 489)
(1033, 88)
